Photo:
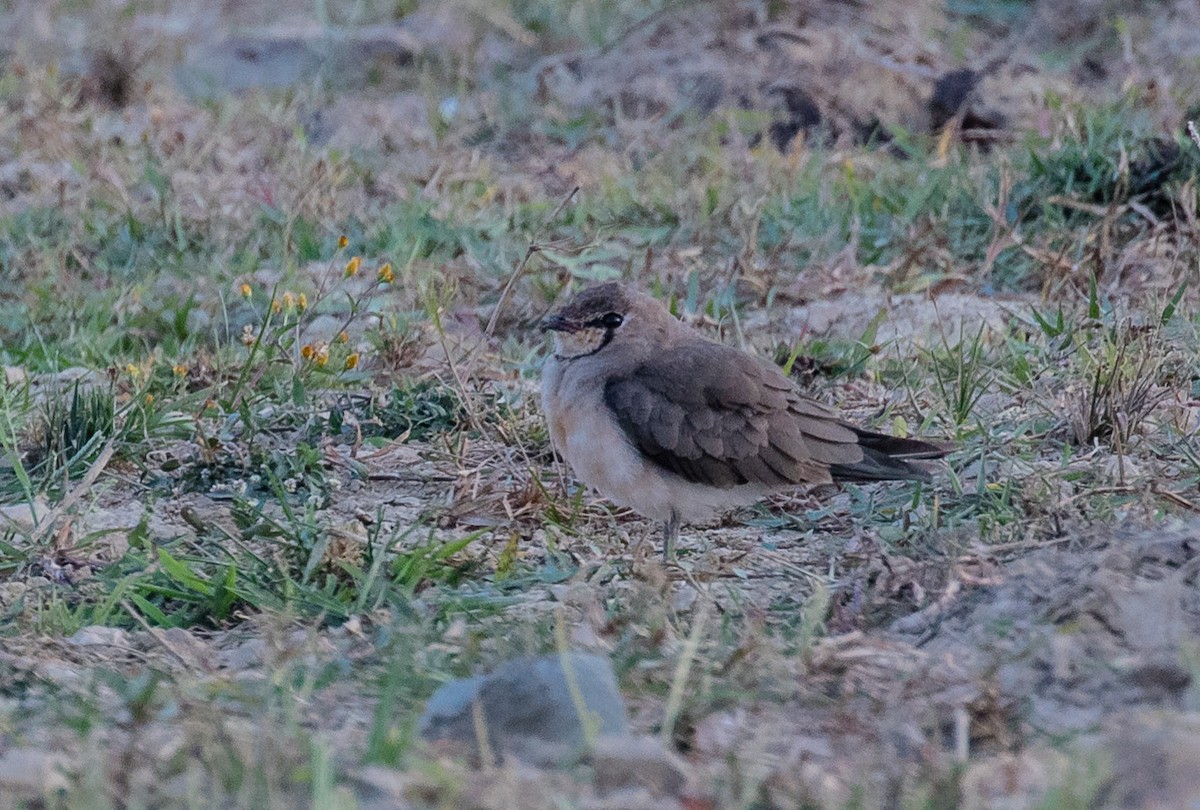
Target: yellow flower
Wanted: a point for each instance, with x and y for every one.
(353, 265)
(302, 302)
(385, 273)
(289, 301)
(246, 291)
(149, 399)
(343, 337)
(307, 351)
(132, 370)
(352, 361)
(342, 241)
(322, 356)
(180, 370)
(276, 306)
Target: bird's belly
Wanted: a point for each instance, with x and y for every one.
(602, 456)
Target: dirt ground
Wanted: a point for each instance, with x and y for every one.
(1024, 634)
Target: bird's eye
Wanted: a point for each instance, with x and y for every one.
(612, 320)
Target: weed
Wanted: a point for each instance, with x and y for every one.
(72, 430)
(257, 311)
(416, 410)
(1124, 377)
(962, 373)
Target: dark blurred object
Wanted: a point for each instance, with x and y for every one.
(956, 96)
(109, 79)
(795, 112)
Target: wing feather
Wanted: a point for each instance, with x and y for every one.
(716, 416)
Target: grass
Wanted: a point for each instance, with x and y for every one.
(292, 434)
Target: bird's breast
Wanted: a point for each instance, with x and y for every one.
(602, 455)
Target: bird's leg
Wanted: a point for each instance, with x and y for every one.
(670, 535)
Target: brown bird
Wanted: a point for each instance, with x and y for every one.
(659, 418)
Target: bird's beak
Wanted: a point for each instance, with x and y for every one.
(557, 323)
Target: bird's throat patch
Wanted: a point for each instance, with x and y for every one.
(581, 343)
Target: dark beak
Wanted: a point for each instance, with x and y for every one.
(557, 323)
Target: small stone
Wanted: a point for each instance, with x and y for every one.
(1160, 676)
(243, 656)
(573, 594)
(108, 529)
(630, 799)
(190, 649)
(529, 707)
(64, 383)
(33, 771)
(95, 636)
(377, 786)
(684, 598)
(323, 328)
(1120, 468)
(60, 674)
(637, 762)
(24, 517)
(1012, 780)
(10, 592)
(1154, 756)
(283, 56)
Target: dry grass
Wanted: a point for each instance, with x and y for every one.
(233, 562)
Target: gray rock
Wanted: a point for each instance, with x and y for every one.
(620, 763)
(281, 58)
(1154, 756)
(630, 799)
(31, 771)
(44, 387)
(96, 636)
(529, 709)
(908, 319)
(244, 656)
(24, 517)
(11, 591)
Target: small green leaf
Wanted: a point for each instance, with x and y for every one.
(1169, 310)
(183, 575)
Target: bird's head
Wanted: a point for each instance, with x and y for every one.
(602, 316)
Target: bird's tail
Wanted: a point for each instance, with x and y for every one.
(889, 458)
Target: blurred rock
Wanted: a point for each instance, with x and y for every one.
(528, 707)
(244, 656)
(100, 637)
(282, 57)
(191, 650)
(905, 319)
(630, 799)
(64, 384)
(23, 517)
(1012, 780)
(11, 591)
(637, 762)
(33, 772)
(108, 529)
(382, 127)
(1154, 756)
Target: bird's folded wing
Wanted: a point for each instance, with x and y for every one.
(716, 416)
